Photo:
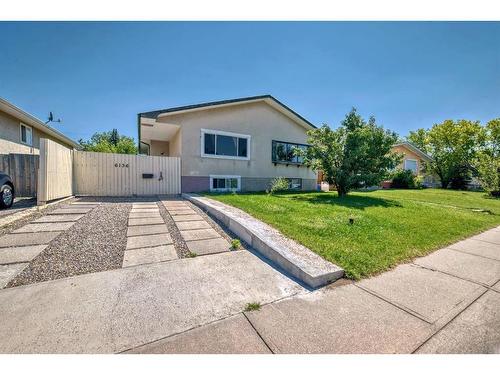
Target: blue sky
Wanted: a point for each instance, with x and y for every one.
(98, 76)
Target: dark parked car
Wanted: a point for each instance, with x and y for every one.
(6, 191)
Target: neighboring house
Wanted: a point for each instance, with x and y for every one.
(20, 132)
(240, 144)
(414, 159)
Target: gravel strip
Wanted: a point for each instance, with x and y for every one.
(218, 226)
(95, 243)
(33, 216)
(179, 243)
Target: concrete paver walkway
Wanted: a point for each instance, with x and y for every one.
(200, 237)
(148, 240)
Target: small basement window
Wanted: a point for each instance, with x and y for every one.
(295, 183)
(26, 135)
(225, 183)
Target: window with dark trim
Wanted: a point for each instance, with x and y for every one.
(284, 152)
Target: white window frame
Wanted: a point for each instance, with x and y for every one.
(230, 134)
(21, 134)
(212, 176)
(409, 169)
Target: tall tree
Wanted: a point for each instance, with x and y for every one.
(110, 142)
(487, 162)
(358, 153)
(453, 146)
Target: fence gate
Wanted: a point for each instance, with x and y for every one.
(102, 174)
(23, 170)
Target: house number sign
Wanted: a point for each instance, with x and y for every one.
(121, 165)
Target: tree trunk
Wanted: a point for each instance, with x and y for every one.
(341, 190)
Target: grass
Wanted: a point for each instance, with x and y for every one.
(235, 244)
(388, 226)
(252, 306)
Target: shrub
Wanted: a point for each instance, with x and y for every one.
(403, 179)
(278, 184)
(418, 182)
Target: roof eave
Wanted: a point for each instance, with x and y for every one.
(31, 120)
(224, 103)
(415, 149)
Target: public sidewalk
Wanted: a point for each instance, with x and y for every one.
(446, 302)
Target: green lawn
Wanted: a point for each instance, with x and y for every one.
(390, 226)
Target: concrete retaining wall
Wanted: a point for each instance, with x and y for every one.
(291, 256)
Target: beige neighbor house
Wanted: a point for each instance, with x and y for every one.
(20, 132)
(413, 159)
(239, 144)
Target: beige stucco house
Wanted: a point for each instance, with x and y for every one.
(413, 158)
(20, 132)
(239, 144)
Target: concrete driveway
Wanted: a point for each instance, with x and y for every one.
(112, 311)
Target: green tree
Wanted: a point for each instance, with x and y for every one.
(453, 146)
(358, 153)
(487, 162)
(111, 142)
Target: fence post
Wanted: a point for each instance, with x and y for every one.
(41, 196)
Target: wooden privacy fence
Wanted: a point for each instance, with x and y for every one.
(55, 175)
(23, 170)
(102, 174)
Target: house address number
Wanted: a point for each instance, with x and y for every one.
(121, 165)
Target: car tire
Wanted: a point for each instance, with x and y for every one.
(6, 196)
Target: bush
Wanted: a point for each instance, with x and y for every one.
(488, 169)
(403, 179)
(278, 184)
(418, 182)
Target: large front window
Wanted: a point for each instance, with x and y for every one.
(225, 145)
(284, 152)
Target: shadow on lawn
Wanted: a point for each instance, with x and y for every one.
(351, 201)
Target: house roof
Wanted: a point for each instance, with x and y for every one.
(269, 99)
(415, 150)
(31, 120)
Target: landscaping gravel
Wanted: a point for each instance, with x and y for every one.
(95, 243)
